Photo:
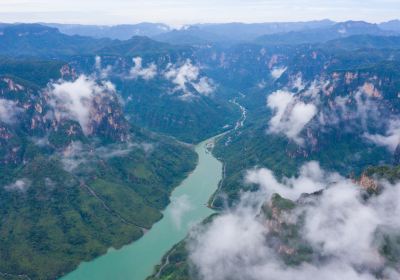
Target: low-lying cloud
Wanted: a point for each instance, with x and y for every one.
(179, 206)
(20, 185)
(138, 71)
(188, 75)
(390, 139)
(357, 112)
(77, 154)
(9, 111)
(74, 99)
(102, 72)
(290, 114)
(277, 72)
(343, 229)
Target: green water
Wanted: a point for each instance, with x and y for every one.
(188, 207)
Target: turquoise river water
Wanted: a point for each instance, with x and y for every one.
(188, 207)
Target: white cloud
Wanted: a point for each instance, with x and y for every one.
(290, 114)
(276, 73)
(20, 185)
(103, 72)
(311, 179)
(74, 99)
(76, 153)
(145, 73)
(8, 111)
(188, 74)
(390, 140)
(204, 86)
(339, 224)
(297, 83)
(73, 156)
(122, 149)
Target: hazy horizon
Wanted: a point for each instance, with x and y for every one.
(181, 12)
(188, 24)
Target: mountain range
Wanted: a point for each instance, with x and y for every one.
(97, 126)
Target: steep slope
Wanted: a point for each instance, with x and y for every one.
(349, 108)
(75, 183)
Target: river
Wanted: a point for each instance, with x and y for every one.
(188, 207)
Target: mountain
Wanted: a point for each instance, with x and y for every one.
(89, 153)
(364, 83)
(120, 32)
(339, 30)
(43, 41)
(137, 45)
(191, 35)
(283, 226)
(393, 25)
(73, 168)
(365, 41)
(173, 115)
(198, 34)
(249, 31)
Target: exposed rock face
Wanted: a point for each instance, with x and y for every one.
(368, 183)
(34, 117)
(284, 231)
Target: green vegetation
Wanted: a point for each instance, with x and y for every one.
(390, 173)
(63, 219)
(59, 210)
(174, 265)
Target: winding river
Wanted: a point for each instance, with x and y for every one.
(188, 206)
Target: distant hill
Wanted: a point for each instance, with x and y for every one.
(393, 25)
(233, 32)
(44, 41)
(321, 35)
(39, 40)
(365, 41)
(121, 32)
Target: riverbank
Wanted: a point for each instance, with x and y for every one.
(188, 207)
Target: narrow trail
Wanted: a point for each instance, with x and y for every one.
(21, 276)
(108, 209)
(137, 260)
(163, 265)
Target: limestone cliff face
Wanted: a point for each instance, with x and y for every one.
(28, 116)
(368, 183)
(284, 231)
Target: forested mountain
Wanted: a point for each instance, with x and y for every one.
(95, 133)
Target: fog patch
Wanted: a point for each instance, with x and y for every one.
(76, 153)
(179, 207)
(277, 72)
(186, 76)
(41, 141)
(102, 72)
(9, 111)
(122, 149)
(20, 185)
(290, 115)
(138, 71)
(73, 156)
(390, 139)
(74, 99)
